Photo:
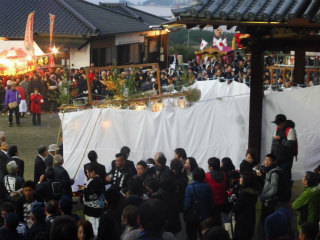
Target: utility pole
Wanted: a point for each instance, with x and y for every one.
(188, 37)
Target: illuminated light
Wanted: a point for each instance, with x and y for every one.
(183, 103)
(140, 107)
(106, 124)
(29, 58)
(54, 50)
(157, 107)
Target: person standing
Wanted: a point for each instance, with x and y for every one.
(4, 158)
(284, 146)
(13, 153)
(23, 104)
(50, 157)
(13, 99)
(62, 174)
(40, 165)
(93, 158)
(36, 102)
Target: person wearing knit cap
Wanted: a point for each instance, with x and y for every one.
(277, 225)
(11, 224)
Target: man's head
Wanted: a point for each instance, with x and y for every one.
(310, 179)
(142, 168)
(152, 215)
(120, 160)
(309, 231)
(280, 120)
(3, 146)
(126, 151)
(160, 159)
(43, 151)
(180, 154)
(7, 207)
(92, 156)
(270, 160)
(13, 151)
(58, 160)
(63, 228)
(49, 173)
(214, 163)
(65, 205)
(52, 208)
(12, 167)
(29, 189)
(38, 212)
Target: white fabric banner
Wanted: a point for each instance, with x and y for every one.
(215, 126)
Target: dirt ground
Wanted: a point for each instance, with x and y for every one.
(28, 137)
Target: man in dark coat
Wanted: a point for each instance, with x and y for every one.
(130, 164)
(49, 158)
(160, 167)
(62, 174)
(39, 225)
(40, 165)
(93, 157)
(4, 159)
(13, 153)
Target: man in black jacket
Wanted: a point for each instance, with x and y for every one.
(13, 154)
(40, 165)
(93, 158)
(130, 164)
(62, 173)
(160, 168)
(4, 159)
(121, 174)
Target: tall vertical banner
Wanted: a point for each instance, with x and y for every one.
(28, 38)
(52, 18)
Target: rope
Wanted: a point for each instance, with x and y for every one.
(84, 153)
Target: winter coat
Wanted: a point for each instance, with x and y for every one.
(93, 199)
(205, 197)
(217, 181)
(308, 205)
(13, 96)
(36, 102)
(245, 214)
(270, 187)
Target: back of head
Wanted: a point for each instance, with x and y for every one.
(65, 204)
(12, 167)
(176, 166)
(214, 163)
(52, 207)
(125, 150)
(112, 196)
(12, 151)
(193, 163)
(58, 160)
(309, 230)
(130, 215)
(161, 158)
(7, 207)
(63, 228)
(181, 153)
(198, 174)
(227, 164)
(49, 173)
(152, 215)
(38, 211)
(312, 179)
(92, 156)
(136, 186)
(217, 233)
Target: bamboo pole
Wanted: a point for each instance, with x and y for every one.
(89, 85)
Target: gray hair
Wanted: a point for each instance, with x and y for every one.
(58, 160)
(12, 167)
(160, 158)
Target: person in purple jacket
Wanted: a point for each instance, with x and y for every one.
(12, 96)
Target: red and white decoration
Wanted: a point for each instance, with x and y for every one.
(219, 43)
(204, 43)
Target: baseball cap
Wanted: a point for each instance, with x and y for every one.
(279, 119)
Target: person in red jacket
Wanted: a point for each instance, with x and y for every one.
(36, 102)
(216, 178)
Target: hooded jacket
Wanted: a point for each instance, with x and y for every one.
(217, 181)
(270, 187)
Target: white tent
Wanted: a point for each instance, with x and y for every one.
(215, 126)
(7, 44)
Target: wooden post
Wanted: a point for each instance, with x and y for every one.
(299, 66)
(158, 78)
(271, 77)
(256, 99)
(89, 85)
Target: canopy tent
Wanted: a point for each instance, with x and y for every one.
(5, 45)
(215, 126)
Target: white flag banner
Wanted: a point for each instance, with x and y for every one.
(203, 44)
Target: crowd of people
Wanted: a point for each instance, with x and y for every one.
(152, 201)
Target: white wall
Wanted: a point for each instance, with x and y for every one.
(127, 38)
(80, 58)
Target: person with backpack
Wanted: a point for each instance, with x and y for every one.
(284, 148)
(271, 187)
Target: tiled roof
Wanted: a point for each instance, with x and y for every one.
(73, 17)
(14, 14)
(252, 10)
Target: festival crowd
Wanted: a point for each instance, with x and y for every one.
(157, 199)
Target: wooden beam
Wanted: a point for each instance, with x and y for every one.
(299, 66)
(256, 99)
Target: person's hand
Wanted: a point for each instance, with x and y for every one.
(259, 174)
(108, 178)
(41, 178)
(81, 187)
(276, 138)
